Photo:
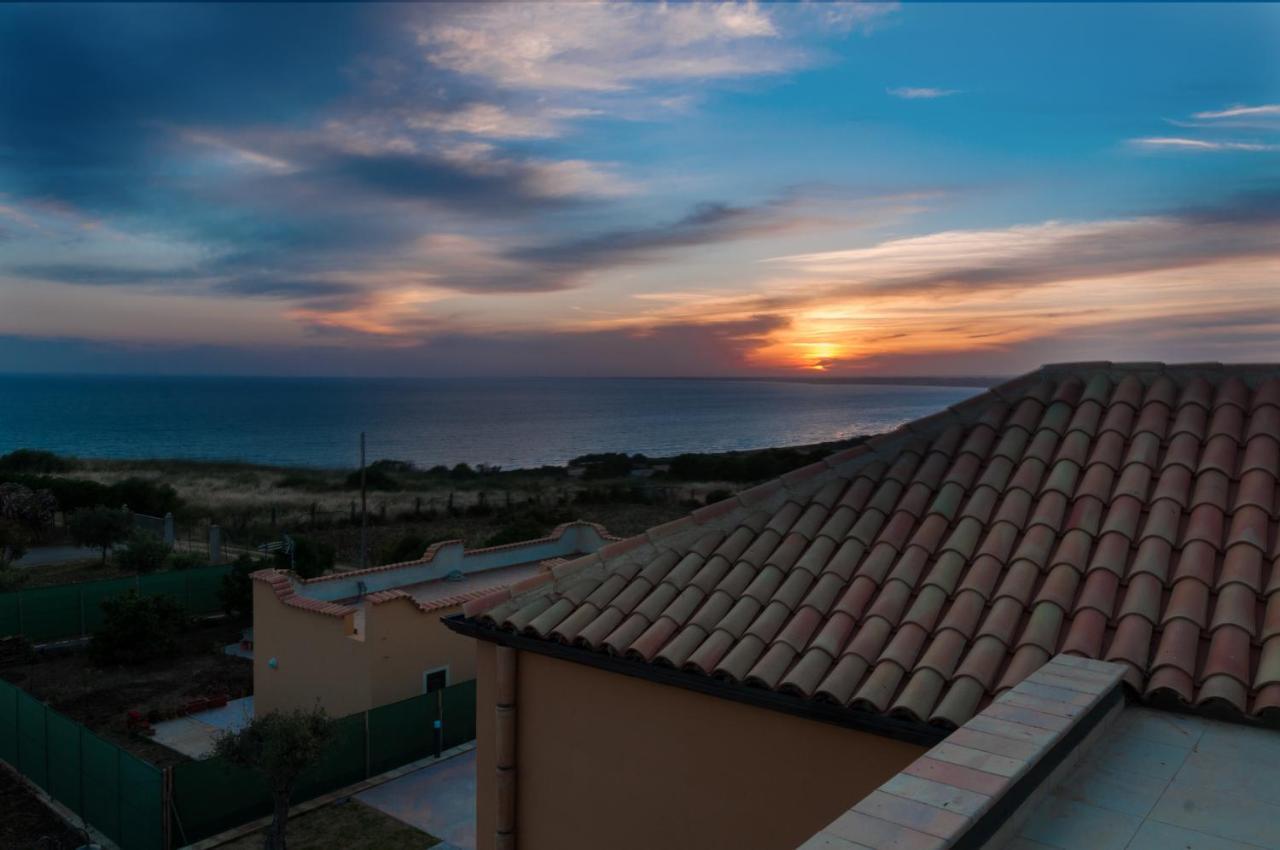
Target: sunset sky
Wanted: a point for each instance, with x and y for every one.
(581, 189)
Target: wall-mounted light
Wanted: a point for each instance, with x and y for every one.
(273, 663)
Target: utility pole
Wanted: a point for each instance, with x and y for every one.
(364, 513)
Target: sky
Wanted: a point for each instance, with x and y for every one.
(810, 189)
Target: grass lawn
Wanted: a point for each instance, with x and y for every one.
(348, 824)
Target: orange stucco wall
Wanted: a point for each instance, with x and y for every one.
(319, 661)
(608, 760)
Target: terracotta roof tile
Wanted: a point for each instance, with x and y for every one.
(1125, 515)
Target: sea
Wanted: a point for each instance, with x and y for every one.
(506, 422)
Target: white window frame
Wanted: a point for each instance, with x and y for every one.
(426, 674)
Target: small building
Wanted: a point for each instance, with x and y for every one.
(351, 641)
(948, 636)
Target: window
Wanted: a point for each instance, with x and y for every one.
(435, 680)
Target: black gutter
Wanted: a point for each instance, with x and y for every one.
(982, 830)
(912, 732)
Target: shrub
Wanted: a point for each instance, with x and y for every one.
(310, 557)
(99, 528)
(145, 497)
(185, 561)
(237, 588)
(407, 548)
(13, 541)
(34, 460)
(144, 553)
(13, 544)
(714, 496)
(375, 478)
(136, 629)
(525, 528)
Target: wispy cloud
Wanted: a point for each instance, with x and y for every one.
(921, 93)
(1270, 110)
(1182, 143)
(489, 120)
(604, 46)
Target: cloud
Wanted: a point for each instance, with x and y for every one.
(492, 121)
(909, 93)
(1270, 110)
(275, 287)
(1179, 143)
(604, 47)
(469, 265)
(1029, 255)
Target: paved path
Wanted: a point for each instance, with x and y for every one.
(43, 556)
(193, 735)
(440, 799)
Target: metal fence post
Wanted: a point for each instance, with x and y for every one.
(367, 765)
(80, 593)
(439, 722)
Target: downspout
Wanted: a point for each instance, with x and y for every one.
(505, 746)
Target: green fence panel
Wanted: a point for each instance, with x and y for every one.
(9, 614)
(165, 584)
(94, 593)
(401, 732)
(459, 714)
(141, 805)
(33, 752)
(49, 613)
(213, 795)
(204, 590)
(8, 723)
(343, 764)
(101, 762)
(64, 761)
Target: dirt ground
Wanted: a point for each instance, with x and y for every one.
(101, 697)
(26, 823)
(347, 824)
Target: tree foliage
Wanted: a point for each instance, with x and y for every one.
(99, 528)
(136, 629)
(279, 746)
(34, 460)
(33, 510)
(237, 588)
(310, 557)
(144, 553)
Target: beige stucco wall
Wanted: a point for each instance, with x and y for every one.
(608, 760)
(319, 662)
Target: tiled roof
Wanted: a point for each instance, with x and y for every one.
(1124, 512)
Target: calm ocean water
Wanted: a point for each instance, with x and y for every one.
(509, 422)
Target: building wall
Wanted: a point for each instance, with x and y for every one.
(608, 760)
(320, 662)
(486, 758)
(316, 661)
(403, 642)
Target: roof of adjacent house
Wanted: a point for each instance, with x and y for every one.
(1123, 512)
(446, 576)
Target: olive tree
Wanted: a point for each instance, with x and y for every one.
(279, 746)
(99, 528)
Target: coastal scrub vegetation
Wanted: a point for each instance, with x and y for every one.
(409, 506)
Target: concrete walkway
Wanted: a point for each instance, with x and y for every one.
(439, 799)
(194, 735)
